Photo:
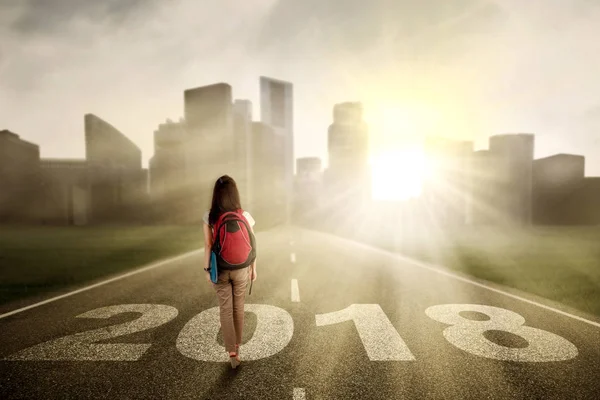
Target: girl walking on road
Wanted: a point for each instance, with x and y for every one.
(228, 233)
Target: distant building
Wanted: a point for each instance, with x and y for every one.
(19, 179)
(515, 199)
(447, 190)
(169, 172)
(555, 179)
(117, 181)
(348, 174)
(487, 176)
(562, 194)
(242, 127)
(211, 149)
(277, 112)
(268, 176)
(66, 192)
(582, 207)
(308, 188)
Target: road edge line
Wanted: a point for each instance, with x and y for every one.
(136, 271)
(443, 271)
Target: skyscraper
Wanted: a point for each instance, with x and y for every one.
(516, 153)
(267, 176)
(210, 149)
(242, 128)
(19, 178)
(117, 180)
(277, 111)
(555, 180)
(168, 171)
(348, 173)
(308, 188)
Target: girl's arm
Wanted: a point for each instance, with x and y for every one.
(253, 266)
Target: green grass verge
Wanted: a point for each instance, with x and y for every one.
(36, 260)
(561, 264)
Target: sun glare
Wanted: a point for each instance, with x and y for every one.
(398, 175)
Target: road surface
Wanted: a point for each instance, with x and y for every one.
(327, 319)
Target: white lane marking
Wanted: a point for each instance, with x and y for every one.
(83, 346)
(95, 285)
(381, 340)
(469, 335)
(293, 258)
(440, 270)
(295, 291)
(299, 394)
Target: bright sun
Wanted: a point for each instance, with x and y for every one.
(398, 175)
(398, 162)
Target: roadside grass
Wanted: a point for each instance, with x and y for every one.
(37, 260)
(557, 263)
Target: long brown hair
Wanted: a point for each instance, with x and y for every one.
(226, 197)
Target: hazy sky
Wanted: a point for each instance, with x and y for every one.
(461, 68)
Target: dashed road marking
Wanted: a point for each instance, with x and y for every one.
(295, 291)
(299, 394)
(116, 278)
(293, 258)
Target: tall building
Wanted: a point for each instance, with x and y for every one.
(555, 178)
(348, 173)
(242, 127)
(210, 149)
(487, 176)
(268, 176)
(19, 179)
(117, 181)
(516, 193)
(446, 190)
(562, 195)
(581, 206)
(277, 111)
(66, 192)
(168, 172)
(308, 188)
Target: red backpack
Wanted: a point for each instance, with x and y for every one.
(234, 244)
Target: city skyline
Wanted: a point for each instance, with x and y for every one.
(500, 68)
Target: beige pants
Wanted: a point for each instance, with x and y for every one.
(231, 293)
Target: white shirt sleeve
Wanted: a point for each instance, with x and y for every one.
(249, 218)
(205, 218)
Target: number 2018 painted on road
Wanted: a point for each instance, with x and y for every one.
(275, 327)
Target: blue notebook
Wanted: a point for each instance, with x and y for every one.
(214, 274)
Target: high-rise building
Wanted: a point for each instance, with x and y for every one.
(487, 174)
(308, 188)
(277, 111)
(210, 149)
(19, 179)
(168, 172)
(66, 192)
(117, 180)
(268, 176)
(348, 173)
(242, 127)
(555, 179)
(516, 194)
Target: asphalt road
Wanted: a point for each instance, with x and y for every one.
(327, 319)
